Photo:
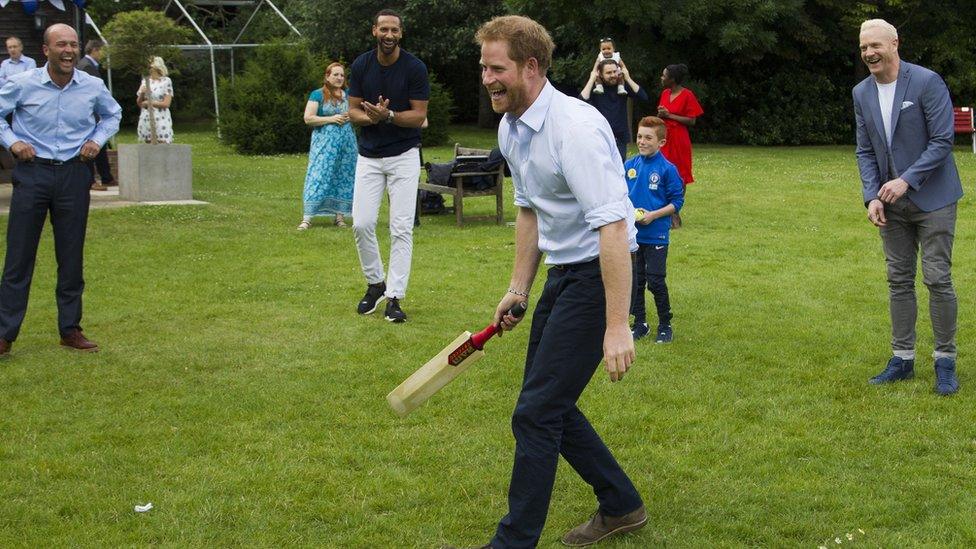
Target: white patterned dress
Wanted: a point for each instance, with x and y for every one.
(164, 122)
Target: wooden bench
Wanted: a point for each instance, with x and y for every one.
(459, 193)
(964, 123)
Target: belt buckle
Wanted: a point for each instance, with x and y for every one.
(57, 162)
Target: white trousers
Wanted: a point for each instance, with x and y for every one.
(398, 176)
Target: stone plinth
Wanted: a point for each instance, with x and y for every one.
(153, 173)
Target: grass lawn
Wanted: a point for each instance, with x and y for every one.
(239, 392)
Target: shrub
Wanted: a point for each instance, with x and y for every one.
(439, 110)
(262, 112)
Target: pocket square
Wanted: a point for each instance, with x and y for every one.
(906, 104)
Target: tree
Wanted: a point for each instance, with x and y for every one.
(766, 72)
(135, 37)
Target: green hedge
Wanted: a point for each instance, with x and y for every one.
(262, 112)
(439, 111)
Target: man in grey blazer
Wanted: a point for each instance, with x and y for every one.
(91, 63)
(911, 187)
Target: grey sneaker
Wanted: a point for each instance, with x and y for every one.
(600, 526)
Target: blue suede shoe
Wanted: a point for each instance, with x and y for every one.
(640, 330)
(945, 376)
(665, 334)
(897, 370)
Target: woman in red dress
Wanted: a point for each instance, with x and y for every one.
(679, 108)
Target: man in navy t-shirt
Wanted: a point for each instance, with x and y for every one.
(388, 93)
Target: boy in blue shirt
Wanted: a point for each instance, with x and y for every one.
(656, 190)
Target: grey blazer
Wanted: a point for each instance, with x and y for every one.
(921, 142)
(87, 66)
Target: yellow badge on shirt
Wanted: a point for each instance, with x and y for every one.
(631, 173)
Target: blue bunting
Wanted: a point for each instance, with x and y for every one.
(79, 3)
(30, 6)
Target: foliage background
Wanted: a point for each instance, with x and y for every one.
(766, 72)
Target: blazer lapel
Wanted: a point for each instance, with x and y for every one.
(904, 77)
(875, 107)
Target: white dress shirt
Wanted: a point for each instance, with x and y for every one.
(566, 167)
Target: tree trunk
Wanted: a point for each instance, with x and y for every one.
(150, 110)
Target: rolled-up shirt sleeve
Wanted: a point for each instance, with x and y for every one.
(594, 173)
(110, 115)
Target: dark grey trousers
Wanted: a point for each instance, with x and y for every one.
(909, 229)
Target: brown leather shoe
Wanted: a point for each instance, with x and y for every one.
(5, 348)
(600, 527)
(98, 187)
(74, 340)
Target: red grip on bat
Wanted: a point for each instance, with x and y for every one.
(479, 339)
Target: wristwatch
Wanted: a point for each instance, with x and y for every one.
(390, 117)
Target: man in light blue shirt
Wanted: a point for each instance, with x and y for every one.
(54, 133)
(17, 63)
(573, 206)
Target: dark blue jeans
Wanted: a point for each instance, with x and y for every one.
(622, 147)
(38, 189)
(565, 348)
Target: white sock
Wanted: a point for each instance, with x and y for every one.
(939, 354)
(905, 355)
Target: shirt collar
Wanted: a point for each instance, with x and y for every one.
(46, 76)
(535, 115)
(16, 61)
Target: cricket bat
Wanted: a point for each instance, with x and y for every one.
(451, 362)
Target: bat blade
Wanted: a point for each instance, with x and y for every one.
(432, 376)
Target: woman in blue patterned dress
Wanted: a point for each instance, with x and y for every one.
(332, 154)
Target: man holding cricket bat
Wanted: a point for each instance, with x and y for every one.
(574, 207)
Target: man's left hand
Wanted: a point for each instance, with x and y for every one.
(618, 351)
(893, 190)
(89, 150)
(377, 112)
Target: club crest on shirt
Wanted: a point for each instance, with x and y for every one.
(631, 173)
(654, 179)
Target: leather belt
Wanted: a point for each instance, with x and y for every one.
(51, 162)
(579, 266)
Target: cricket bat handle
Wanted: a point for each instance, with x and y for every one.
(479, 339)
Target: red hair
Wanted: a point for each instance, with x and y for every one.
(331, 93)
(655, 124)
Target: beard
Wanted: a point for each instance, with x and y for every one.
(387, 50)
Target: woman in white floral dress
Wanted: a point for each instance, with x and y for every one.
(161, 95)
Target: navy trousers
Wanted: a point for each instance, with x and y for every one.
(104, 167)
(565, 348)
(651, 270)
(40, 188)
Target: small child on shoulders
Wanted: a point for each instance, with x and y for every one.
(607, 52)
(656, 191)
